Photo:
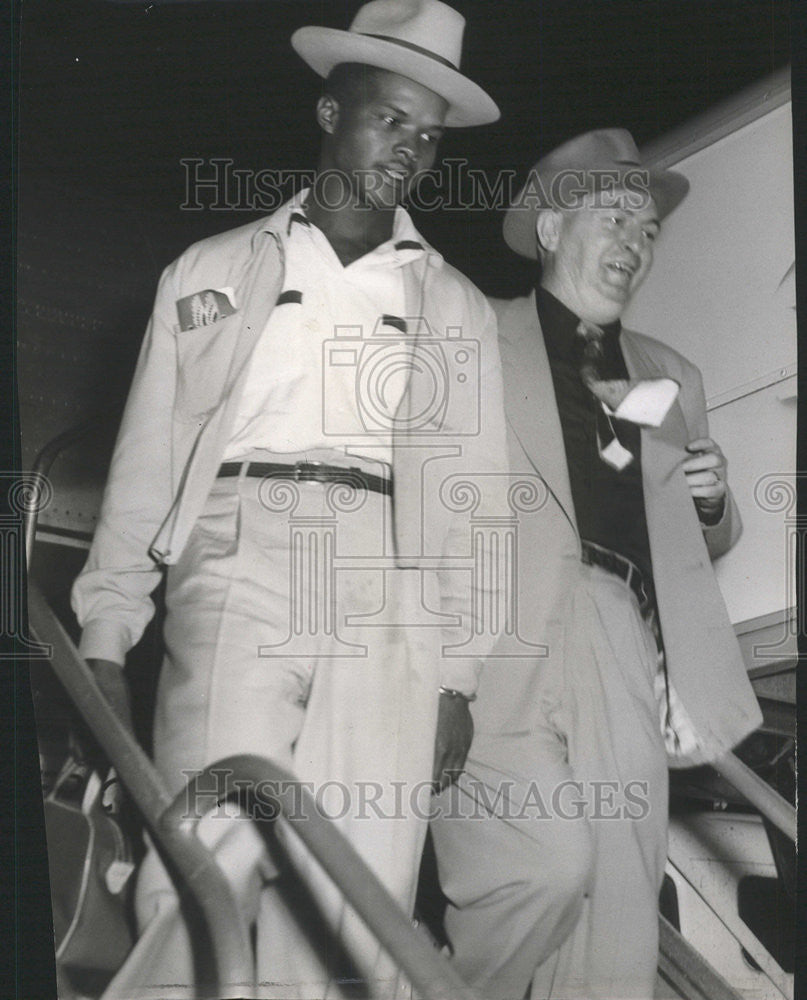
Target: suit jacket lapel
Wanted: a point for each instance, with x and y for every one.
(530, 400)
(661, 446)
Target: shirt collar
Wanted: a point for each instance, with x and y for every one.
(559, 325)
(405, 243)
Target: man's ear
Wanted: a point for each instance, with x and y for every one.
(328, 113)
(547, 228)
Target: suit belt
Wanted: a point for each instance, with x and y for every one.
(308, 472)
(621, 566)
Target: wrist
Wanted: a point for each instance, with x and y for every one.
(448, 692)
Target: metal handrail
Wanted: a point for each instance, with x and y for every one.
(687, 970)
(432, 975)
(759, 793)
(198, 866)
(430, 971)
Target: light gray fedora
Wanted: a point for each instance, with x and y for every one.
(588, 161)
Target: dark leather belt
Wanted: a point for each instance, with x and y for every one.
(308, 472)
(621, 566)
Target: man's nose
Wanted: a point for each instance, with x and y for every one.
(632, 237)
(407, 149)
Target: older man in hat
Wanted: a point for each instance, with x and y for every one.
(307, 384)
(552, 847)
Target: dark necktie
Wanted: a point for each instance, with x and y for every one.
(593, 353)
(610, 448)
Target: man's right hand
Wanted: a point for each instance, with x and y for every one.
(112, 683)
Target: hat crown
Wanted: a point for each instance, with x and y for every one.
(601, 148)
(428, 25)
(609, 152)
(418, 39)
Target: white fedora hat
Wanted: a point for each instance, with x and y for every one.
(419, 39)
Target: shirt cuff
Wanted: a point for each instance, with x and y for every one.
(461, 675)
(105, 640)
(711, 518)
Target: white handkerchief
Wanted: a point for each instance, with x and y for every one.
(615, 454)
(648, 402)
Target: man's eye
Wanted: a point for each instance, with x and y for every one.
(390, 120)
(428, 137)
(650, 235)
(615, 220)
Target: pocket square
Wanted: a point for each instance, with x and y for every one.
(205, 307)
(643, 401)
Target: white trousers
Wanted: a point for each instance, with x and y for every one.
(553, 869)
(288, 636)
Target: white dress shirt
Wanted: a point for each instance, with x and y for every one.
(330, 367)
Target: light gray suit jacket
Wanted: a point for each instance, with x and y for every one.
(703, 657)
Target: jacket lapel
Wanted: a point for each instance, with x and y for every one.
(267, 267)
(661, 446)
(199, 473)
(407, 458)
(530, 401)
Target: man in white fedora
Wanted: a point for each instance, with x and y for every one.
(554, 873)
(307, 384)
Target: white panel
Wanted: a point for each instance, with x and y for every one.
(758, 437)
(722, 291)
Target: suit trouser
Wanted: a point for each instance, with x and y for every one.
(264, 657)
(556, 882)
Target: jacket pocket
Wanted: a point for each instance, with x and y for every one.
(203, 358)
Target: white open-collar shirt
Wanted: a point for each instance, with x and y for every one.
(327, 371)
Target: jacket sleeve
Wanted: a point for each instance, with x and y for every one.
(111, 596)
(723, 535)
(472, 595)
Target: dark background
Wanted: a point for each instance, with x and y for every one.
(111, 96)
(115, 94)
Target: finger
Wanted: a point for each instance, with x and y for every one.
(708, 477)
(442, 781)
(708, 492)
(704, 459)
(437, 770)
(714, 492)
(702, 444)
(450, 776)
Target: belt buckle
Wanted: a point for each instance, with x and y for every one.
(302, 467)
(635, 580)
(629, 570)
(644, 600)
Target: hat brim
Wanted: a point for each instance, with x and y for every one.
(324, 48)
(667, 188)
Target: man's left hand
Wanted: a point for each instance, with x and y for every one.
(705, 471)
(455, 730)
